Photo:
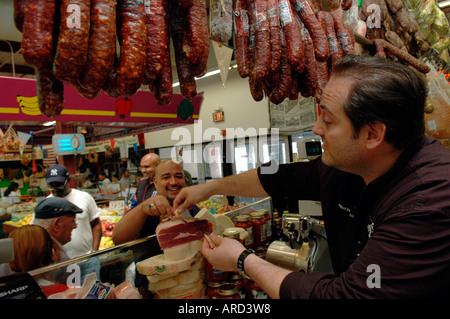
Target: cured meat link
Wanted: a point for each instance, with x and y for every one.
(188, 86)
(196, 38)
(403, 56)
(308, 79)
(102, 45)
(19, 13)
(292, 37)
(281, 91)
(221, 20)
(157, 37)
(178, 232)
(38, 28)
(306, 14)
(133, 42)
(322, 79)
(343, 34)
(327, 21)
(242, 32)
(260, 23)
(158, 70)
(275, 35)
(73, 40)
(50, 92)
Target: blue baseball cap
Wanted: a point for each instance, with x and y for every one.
(57, 173)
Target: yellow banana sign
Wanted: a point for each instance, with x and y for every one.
(29, 105)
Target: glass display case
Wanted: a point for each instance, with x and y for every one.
(116, 264)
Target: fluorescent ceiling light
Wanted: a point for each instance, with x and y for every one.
(49, 123)
(211, 73)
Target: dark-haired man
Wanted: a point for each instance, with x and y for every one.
(384, 188)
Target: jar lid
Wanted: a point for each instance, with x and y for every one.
(215, 284)
(257, 214)
(242, 218)
(234, 277)
(227, 289)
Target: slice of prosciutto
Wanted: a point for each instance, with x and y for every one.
(181, 231)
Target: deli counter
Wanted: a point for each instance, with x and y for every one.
(117, 264)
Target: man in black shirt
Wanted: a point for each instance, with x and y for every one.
(384, 188)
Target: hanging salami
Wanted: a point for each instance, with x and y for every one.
(102, 45)
(242, 33)
(133, 41)
(73, 40)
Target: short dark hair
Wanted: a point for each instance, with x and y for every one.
(388, 92)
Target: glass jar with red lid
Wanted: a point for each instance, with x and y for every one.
(243, 221)
(239, 282)
(215, 275)
(259, 228)
(268, 219)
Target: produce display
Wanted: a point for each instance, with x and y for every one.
(107, 230)
(218, 208)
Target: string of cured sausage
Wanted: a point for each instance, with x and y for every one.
(284, 47)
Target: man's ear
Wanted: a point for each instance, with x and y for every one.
(375, 135)
(56, 225)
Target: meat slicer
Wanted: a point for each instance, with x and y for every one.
(304, 246)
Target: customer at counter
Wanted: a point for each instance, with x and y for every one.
(33, 248)
(143, 219)
(57, 216)
(384, 188)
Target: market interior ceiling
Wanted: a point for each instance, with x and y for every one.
(12, 64)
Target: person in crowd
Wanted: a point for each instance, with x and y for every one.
(384, 188)
(114, 179)
(12, 194)
(57, 216)
(86, 182)
(146, 187)
(141, 221)
(33, 248)
(103, 181)
(86, 237)
(125, 180)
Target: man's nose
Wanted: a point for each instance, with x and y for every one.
(317, 128)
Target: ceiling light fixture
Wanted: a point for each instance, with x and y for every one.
(211, 73)
(49, 123)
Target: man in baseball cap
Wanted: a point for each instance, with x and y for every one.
(57, 173)
(57, 216)
(86, 237)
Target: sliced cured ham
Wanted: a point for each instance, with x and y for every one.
(181, 231)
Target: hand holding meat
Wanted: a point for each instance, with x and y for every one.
(226, 253)
(157, 206)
